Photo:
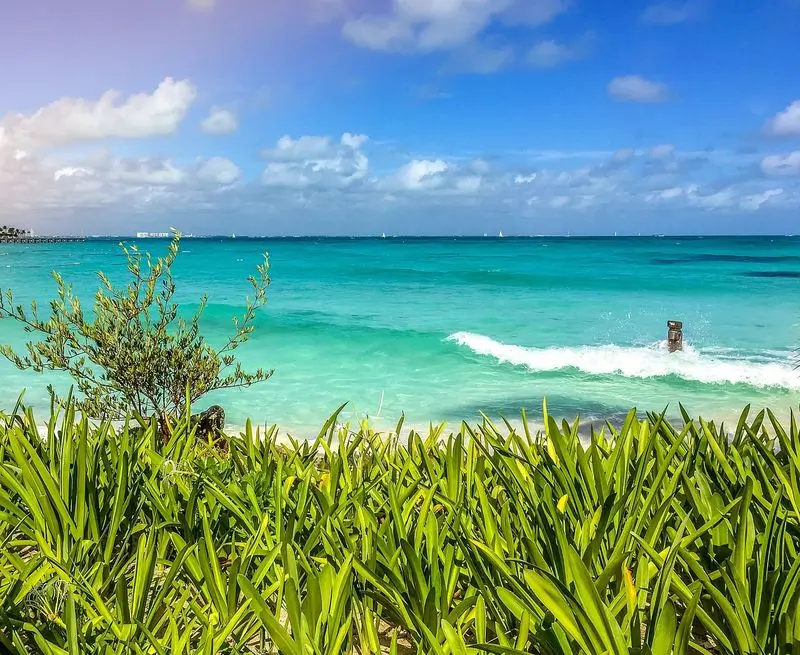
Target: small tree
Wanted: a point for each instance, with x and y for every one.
(134, 353)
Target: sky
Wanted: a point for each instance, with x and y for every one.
(362, 117)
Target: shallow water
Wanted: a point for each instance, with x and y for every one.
(444, 329)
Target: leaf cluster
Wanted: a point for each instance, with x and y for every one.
(649, 538)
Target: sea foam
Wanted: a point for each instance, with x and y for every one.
(632, 362)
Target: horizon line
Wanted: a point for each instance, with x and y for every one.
(376, 237)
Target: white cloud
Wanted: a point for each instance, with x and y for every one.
(145, 171)
(672, 13)
(33, 185)
(669, 194)
(436, 177)
(220, 121)
(755, 201)
(305, 147)
(317, 161)
(551, 53)
(331, 176)
(785, 123)
(422, 174)
(788, 164)
(75, 120)
(634, 88)
(431, 25)
(219, 170)
(280, 174)
(716, 200)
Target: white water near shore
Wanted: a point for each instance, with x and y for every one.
(653, 361)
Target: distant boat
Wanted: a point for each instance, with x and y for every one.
(383, 235)
(233, 236)
(501, 234)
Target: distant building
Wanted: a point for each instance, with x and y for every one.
(152, 235)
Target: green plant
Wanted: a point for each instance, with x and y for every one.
(134, 352)
(644, 539)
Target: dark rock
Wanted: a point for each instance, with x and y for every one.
(674, 336)
(210, 422)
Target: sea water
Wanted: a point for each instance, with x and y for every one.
(449, 329)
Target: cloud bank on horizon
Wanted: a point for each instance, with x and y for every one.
(403, 116)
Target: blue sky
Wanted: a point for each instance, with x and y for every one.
(401, 116)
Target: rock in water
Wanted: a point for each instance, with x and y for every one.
(674, 336)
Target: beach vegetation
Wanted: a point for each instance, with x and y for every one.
(651, 537)
(132, 352)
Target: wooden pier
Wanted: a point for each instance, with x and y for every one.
(6, 239)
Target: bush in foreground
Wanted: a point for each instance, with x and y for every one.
(650, 539)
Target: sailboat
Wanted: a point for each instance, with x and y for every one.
(233, 236)
(383, 235)
(501, 234)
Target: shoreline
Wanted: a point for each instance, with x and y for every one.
(445, 429)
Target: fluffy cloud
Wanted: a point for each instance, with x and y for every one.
(431, 25)
(422, 174)
(782, 164)
(316, 161)
(755, 201)
(785, 123)
(219, 122)
(31, 184)
(75, 120)
(322, 176)
(672, 13)
(438, 178)
(219, 170)
(634, 88)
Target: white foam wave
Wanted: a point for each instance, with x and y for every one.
(646, 362)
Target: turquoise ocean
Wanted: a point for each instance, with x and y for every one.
(444, 329)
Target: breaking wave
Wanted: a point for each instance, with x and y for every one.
(637, 362)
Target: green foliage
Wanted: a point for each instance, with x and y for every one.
(648, 539)
(133, 352)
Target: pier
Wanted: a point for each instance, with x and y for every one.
(7, 239)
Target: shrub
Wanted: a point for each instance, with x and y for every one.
(134, 352)
(647, 539)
